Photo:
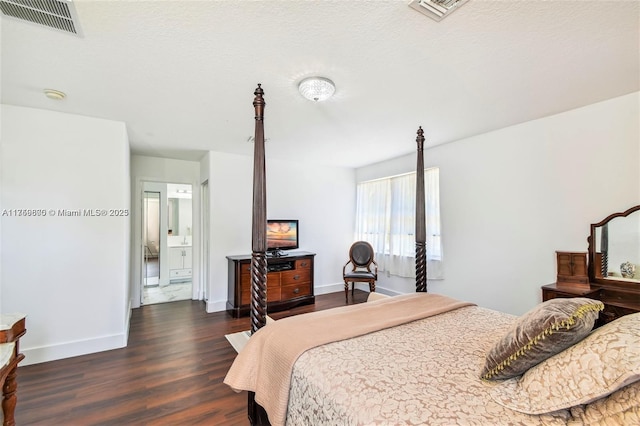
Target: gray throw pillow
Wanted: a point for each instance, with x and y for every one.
(544, 331)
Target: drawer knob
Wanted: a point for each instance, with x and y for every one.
(296, 277)
(296, 290)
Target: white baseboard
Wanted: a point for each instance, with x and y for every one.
(216, 306)
(328, 288)
(387, 291)
(71, 349)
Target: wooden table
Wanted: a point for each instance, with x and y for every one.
(12, 327)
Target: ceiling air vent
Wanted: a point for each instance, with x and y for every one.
(436, 9)
(57, 14)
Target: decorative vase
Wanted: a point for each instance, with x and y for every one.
(627, 270)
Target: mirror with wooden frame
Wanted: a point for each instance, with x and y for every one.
(614, 249)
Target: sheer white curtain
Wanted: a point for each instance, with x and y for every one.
(385, 217)
(432, 213)
(372, 215)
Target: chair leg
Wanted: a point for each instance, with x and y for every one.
(346, 291)
(372, 287)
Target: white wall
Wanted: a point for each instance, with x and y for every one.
(510, 198)
(154, 169)
(68, 274)
(321, 198)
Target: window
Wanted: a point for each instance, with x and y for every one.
(385, 217)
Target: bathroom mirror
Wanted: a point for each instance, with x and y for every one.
(179, 214)
(614, 248)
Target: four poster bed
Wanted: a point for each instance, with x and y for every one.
(423, 358)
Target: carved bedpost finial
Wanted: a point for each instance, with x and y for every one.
(258, 102)
(420, 138)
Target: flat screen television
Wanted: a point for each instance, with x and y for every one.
(282, 234)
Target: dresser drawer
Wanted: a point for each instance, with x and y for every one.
(613, 312)
(296, 276)
(245, 268)
(303, 264)
(550, 294)
(273, 281)
(180, 273)
(273, 295)
(296, 290)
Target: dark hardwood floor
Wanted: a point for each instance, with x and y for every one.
(170, 373)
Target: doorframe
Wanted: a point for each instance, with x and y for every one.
(137, 249)
(205, 241)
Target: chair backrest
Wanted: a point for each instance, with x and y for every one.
(361, 254)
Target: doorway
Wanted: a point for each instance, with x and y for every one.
(167, 242)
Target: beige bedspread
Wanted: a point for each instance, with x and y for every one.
(427, 372)
(264, 366)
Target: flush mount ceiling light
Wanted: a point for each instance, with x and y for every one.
(317, 88)
(436, 9)
(56, 95)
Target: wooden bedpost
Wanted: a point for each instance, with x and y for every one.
(259, 225)
(257, 415)
(421, 232)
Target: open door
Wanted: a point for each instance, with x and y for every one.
(166, 242)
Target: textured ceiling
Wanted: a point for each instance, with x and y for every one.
(181, 74)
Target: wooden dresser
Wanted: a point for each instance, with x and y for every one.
(289, 282)
(617, 301)
(594, 274)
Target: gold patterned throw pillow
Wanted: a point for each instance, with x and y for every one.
(604, 362)
(542, 332)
